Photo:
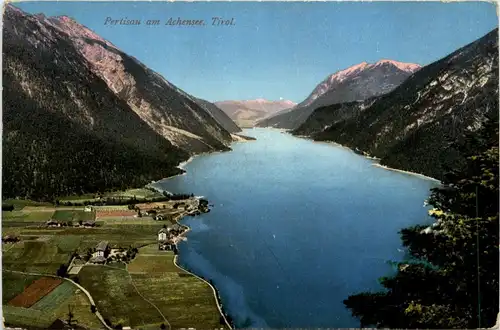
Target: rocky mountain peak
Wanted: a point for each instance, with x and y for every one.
(408, 67)
(355, 83)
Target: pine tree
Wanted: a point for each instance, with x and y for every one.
(438, 286)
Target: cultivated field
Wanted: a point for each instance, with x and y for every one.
(114, 213)
(35, 291)
(73, 215)
(35, 256)
(55, 304)
(139, 193)
(26, 217)
(57, 296)
(14, 284)
(184, 300)
(116, 297)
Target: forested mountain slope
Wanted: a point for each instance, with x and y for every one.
(70, 126)
(418, 126)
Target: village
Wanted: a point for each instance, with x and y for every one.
(114, 265)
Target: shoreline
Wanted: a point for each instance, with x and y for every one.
(422, 176)
(214, 289)
(183, 235)
(376, 161)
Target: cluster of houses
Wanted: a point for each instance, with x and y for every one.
(167, 235)
(56, 223)
(86, 224)
(10, 239)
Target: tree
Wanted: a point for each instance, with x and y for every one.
(93, 309)
(70, 316)
(162, 326)
(62, 271)
(451, 278)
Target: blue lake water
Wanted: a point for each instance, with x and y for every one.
(296, 227)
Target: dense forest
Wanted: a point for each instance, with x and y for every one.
(451, 278)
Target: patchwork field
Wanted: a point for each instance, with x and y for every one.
(13, 284)
(35, 291)
(55, 304)
(121, 297)
(57, 296)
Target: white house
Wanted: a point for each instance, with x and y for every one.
(162, 235)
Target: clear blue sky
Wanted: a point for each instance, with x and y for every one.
(278, 49)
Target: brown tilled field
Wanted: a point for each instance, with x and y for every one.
(35, 291)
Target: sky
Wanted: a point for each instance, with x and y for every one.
(277, 50)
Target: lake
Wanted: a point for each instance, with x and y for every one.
(296, 226)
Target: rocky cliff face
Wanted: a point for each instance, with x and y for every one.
(356, 83)
(421, 125)
(247, 113)
(81, 116)
(169, 111)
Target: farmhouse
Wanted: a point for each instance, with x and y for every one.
(162, 235)
(159, 217)
(98, 260)
(151, 212)
(89, 224)
(10, 239)
(52, 223)
(176, 228)
(163, 241)
(101, 253)
(102, 249)
(88, 209)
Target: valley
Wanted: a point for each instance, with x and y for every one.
(130, 203)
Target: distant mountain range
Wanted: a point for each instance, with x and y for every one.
(248, 112)
(80, 115)
(421, 125)
(356, 83)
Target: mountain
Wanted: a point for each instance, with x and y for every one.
(168, 110)
(220, 116)
(422, 124)
(356, 83)
(325, 117)
(247, 113)
(81, 116)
